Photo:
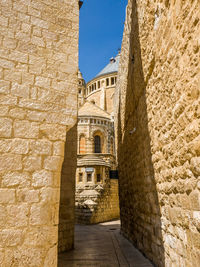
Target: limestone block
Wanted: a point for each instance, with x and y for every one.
(11, 237)
(51, 96)
(37, 60)
(32, 163)
(39, 22)
(57, 133)
(24, 17)
(195, 165)
(26, 129)
(4, 87)
(42, 82)
(3, 21)
(36, 116)
(19, 56)
(33, 104)
(26, 27)
(8, 100)
(196, 217)
(41, 214)
(10, 162)
(20, 7)
(58, 148)
(3, 111)
(5, 127)
(41, 237)
(24, 256)
(34, 92)
(20, 90)
(194, 198)
(5, 145)
(34, 12)
(27, 195)
(7, 196)
(51, 258)
(27, 78)
(41, 147)
(50, 195)
(6, 64)
(38, 41)
(13, 76)
(42, 178)
(17, 113)
(53, 163)
(19, 146)
(3, 216)
(195, 146)
(17, 215)
(1, 256)
(11, 179)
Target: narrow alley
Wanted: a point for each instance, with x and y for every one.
(102, 245)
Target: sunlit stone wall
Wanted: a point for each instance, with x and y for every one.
(38, 87)
(158, 130)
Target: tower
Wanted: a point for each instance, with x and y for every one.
(81, 89)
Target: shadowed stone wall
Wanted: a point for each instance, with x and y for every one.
(67, 192)
(97, 203)
(38, 105)
(157, 128)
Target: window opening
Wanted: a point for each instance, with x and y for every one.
(98, 177)
(97, 144)
(82, 145)
(80, 177)
(89, 177)
(107, 82)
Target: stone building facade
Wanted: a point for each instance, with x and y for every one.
(38, 106)
(96, 194)
(158, 130)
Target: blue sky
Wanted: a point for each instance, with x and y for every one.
(101, 30)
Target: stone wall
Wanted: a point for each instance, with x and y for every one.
(67, 193)
(158, 126)
(97, 203)
(38, 93)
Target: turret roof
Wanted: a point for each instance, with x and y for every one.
(80, 76)
(89, 109)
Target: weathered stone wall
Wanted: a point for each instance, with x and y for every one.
(158, 127)
(67, 192)
(38, 93)
(99, 203)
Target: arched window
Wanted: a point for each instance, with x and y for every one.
(97, 144)
(82, 145)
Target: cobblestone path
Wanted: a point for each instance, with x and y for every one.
(102, 245)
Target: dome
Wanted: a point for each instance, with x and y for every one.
(111, 67)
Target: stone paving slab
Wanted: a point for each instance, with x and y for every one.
(102, 245)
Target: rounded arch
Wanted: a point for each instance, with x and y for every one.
(82, 144)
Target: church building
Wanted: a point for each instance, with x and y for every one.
(96, 147)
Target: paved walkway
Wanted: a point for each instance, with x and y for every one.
(102, 245)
